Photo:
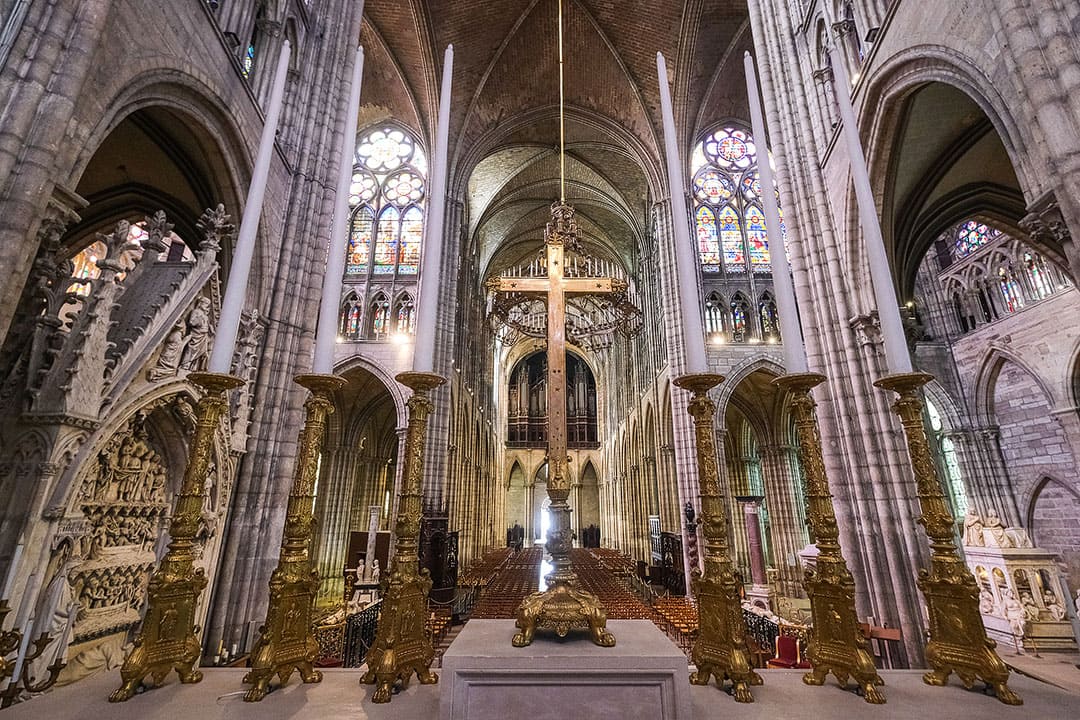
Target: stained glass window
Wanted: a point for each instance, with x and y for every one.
(406, 315)
(352, 325)
(386, 241)
(731, 149)
(727, 183)
(388, 183)
(380, 317)
(770, 322)
(732, 240)
(412, 230)
(708, 244)
(356, 261)
(1037, 275)
(1010, 290)
(971, 236)
(713, 187)
(740, 310)
(758, 240)
(249, 60)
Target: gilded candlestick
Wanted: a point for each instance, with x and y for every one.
(835, 644)
(402, 645)
(958, 641)
(720, 650)
(286, 641)
(168, 639)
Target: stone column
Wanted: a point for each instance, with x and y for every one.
(759, 592)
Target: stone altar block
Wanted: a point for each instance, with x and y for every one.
(644, 677)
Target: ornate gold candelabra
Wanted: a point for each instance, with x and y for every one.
(835, 644)
(168, 639)
(286, 641)
(402, 645)
(720, 649)
(10, 640)
(958, 641)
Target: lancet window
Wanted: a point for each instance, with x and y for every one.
(387, 201)
(728, 217)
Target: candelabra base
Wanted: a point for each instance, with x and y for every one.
(286, 641)
(720, 650)
(958, 641)
(562, 608)
(835, 644)
(402, 646)
(169, 636)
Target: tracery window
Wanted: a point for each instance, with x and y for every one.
(770, 319)
(714, 317)
(380, 317)
(389, 183)
(970, 236)
(740, 318)
(728, 216)
(1010, 289)
(405, 316)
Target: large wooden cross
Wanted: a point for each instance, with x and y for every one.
(556, 288)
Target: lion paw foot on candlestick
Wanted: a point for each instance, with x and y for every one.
(936, 677)
(188, 678)
(427, 677)
(124, 692)
(310, 675)
(871, 694)
(701, 677)
(382, 692)
(815, 677)
(1005, 695)
(258, 691)
(741, 692)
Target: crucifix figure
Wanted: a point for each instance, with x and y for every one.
(562, 606)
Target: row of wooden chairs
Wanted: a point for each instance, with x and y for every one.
(485, 568)
(517, 577)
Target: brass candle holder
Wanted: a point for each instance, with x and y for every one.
(286, 640)
(720, 650)
(958, 641)
(835, 644)
(402, 645)
(168, 639)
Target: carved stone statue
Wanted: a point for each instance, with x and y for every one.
(375, 571)
(1053, 605)
(994, 532)
(198, 335)
(986, 602)
(1014, 612)
(56, 604)
(973, 529)
(168, 362)
(1031, 610)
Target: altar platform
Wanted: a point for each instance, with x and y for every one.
(783, 697)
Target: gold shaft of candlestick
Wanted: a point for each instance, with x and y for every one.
(286, 641)
(402, 645)
(720, 650)
(958, 641)
(169, 639)
(835, 644)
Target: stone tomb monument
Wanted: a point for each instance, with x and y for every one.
(1020, 589)
(644, 677)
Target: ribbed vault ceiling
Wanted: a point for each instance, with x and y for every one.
(504, 127)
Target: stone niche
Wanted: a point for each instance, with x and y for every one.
(1020, 597)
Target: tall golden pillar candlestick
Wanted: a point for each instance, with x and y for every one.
(958, 641)
(169, 639)
(286, 641)
(402, 645)
(836, 645)
(720, 649)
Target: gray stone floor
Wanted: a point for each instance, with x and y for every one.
(340, 696)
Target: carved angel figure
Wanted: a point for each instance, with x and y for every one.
(198, 335)
(169, 359)
(973, 529)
